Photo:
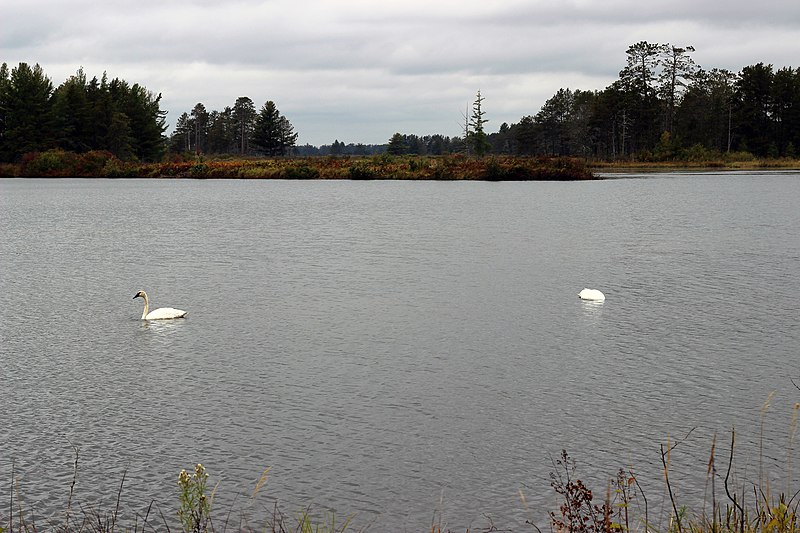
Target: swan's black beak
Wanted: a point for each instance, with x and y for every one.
(135, 296)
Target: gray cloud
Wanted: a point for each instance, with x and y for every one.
(360, 70)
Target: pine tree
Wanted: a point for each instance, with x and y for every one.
(72, 114)
(477, 136)
(181, 138)
(28, 114)
(199, 118)
(397, 145)
(273, 134)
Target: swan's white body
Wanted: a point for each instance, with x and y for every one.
(591, 294)
(162, 313)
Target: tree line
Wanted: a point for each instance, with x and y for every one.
(234, 130)
(80, 115)
(663, 106)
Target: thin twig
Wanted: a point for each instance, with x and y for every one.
(669, 486)
(727, 476)
(72, 486)
(11, 502)
(677, 442)
(163, 518)
(641, 491)
(119, 496)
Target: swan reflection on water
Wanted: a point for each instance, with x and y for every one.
(162, 326)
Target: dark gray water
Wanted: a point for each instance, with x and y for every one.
(393, 350)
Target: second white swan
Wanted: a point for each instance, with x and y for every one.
(591, 294)
(162, 313)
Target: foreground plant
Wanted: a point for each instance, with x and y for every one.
(195, 510)
(579, 514)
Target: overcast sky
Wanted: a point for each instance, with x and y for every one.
(360, 70)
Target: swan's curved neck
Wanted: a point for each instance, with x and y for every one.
(146, 306)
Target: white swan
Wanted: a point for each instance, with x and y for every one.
(162, 313)
(591, 294)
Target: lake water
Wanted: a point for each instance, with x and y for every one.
(407, 352)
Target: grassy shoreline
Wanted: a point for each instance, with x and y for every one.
(57, 163)
(700, 166)
(98, 164)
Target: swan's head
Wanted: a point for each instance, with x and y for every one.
(139, 294)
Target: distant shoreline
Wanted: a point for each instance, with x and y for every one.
(58, 163)
(699, 166)
(453, 167)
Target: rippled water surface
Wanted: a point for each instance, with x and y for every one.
(397, 350)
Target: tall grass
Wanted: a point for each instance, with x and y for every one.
(747, 507)
(621, 505)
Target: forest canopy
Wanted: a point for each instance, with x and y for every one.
(234, 130)
(79, 115)
(663, 106)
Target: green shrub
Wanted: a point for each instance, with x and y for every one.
(300, 172)
(114, 168)
(740, 157)
(698, 153)
(93, 163)
(52, 163)
(199, 170)
(7, 170)
(417, 164)
(362, 171)
(495, 171)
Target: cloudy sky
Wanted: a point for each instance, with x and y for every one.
(360, 70)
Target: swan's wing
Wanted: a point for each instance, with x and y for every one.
(164, 313)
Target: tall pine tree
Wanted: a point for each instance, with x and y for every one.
(477, 136)
(273, 134)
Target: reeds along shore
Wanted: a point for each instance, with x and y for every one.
(57, 163)
(101, 164)
(621, 506)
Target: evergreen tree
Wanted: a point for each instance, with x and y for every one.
(525, 135)
(145, 120)
(4, 105)
(199, 122)
(752, 106)
(704, 114)
(28, 114)
(678, 70)
(287, 135)
(785, 111)
(243, 118)
(397, 145)
(337, 148)
(222, 132)
(273, 134)
(553, 120)
(72, 111)
(477, 135)
(180, 141)
(101, 112)
(637, 119)
(120, 139)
